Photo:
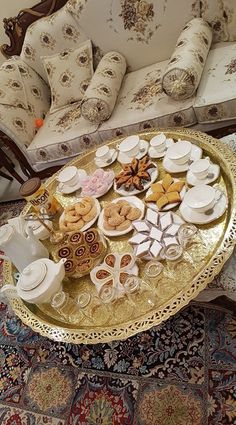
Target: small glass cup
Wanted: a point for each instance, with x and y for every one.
(131, 286)
(186, 234)
(64, 305)
(153, 272)
(173, 255)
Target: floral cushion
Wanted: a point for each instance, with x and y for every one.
(212, 104)
(221, 15)
(142, 105)
(50, 35)
(186, 64)
(100, 97)
(65, 133)
(69, 74)
(18, 121)
(144, 31)
(12, 90)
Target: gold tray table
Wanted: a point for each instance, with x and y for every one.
(209, 257)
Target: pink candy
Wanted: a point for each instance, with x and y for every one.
(98, 183)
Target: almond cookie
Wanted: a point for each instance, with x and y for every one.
(124, 226)
(134, 214)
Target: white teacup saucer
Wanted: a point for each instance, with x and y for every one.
(172, 167)
(214, 172)
(68, 189)
(154, 154)
(102, 164)
(125, 159)
(194, 217)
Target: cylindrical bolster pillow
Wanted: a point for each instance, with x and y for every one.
(184, 70)
(101, 94)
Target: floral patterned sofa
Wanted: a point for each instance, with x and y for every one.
(145, 33)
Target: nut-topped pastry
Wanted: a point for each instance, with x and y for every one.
(165, 192)
(135, 174)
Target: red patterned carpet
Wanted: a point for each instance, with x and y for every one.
(180, 373)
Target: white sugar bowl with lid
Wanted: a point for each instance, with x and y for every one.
(40, 280)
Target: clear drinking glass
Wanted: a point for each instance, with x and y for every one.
(153, 272)
(186, 234)
(173, 255)
(70, 308)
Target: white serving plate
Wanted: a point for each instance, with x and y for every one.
(171, 167)
(89, 223)
(134, 201)
(153, 174)
(168, 207)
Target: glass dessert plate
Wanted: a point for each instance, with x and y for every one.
(217, 243)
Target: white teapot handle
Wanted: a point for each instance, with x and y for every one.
(9, 291)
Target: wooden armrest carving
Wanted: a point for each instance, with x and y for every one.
(15, 28)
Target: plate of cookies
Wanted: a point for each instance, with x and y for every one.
(165, 194)
(136, 177)
(80, 216)
(117, 216)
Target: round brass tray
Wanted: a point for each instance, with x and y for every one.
(208, 258)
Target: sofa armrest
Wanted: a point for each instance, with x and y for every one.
(101, 95)
(184, 69)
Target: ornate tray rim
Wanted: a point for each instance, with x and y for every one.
(128, 329)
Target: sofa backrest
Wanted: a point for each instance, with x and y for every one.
(48, 36)
(221, 15)
(144, 31)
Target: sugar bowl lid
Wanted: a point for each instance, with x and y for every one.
(32, 275)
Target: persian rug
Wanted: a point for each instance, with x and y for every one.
(182, 372)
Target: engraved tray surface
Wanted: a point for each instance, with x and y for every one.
(218, 240)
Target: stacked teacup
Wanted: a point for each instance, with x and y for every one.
(70, 179)
(132, 147)
(158, 145)
(105, 156)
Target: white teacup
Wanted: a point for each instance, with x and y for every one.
(201, 198)
(103, 153)
(130, 146)
(68, 176)
(200, 168)
(179, 152)
(158, 143)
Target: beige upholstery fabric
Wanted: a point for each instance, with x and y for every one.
(186, 64)
(18, 122)
(65, 133)
(18, 125)
(12, 90)
(142, 104)
(144, 31)
(36, 90)
(69, 74)
(100, 97)
(48, 36)
(216, 95)
(221, 15)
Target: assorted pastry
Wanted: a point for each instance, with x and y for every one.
(114, 271)
(160, 229)
(165, 192)
(98, 183)
(119, 215)
(76, 216)
(135, 174)
(157, 231)
(82, 251)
